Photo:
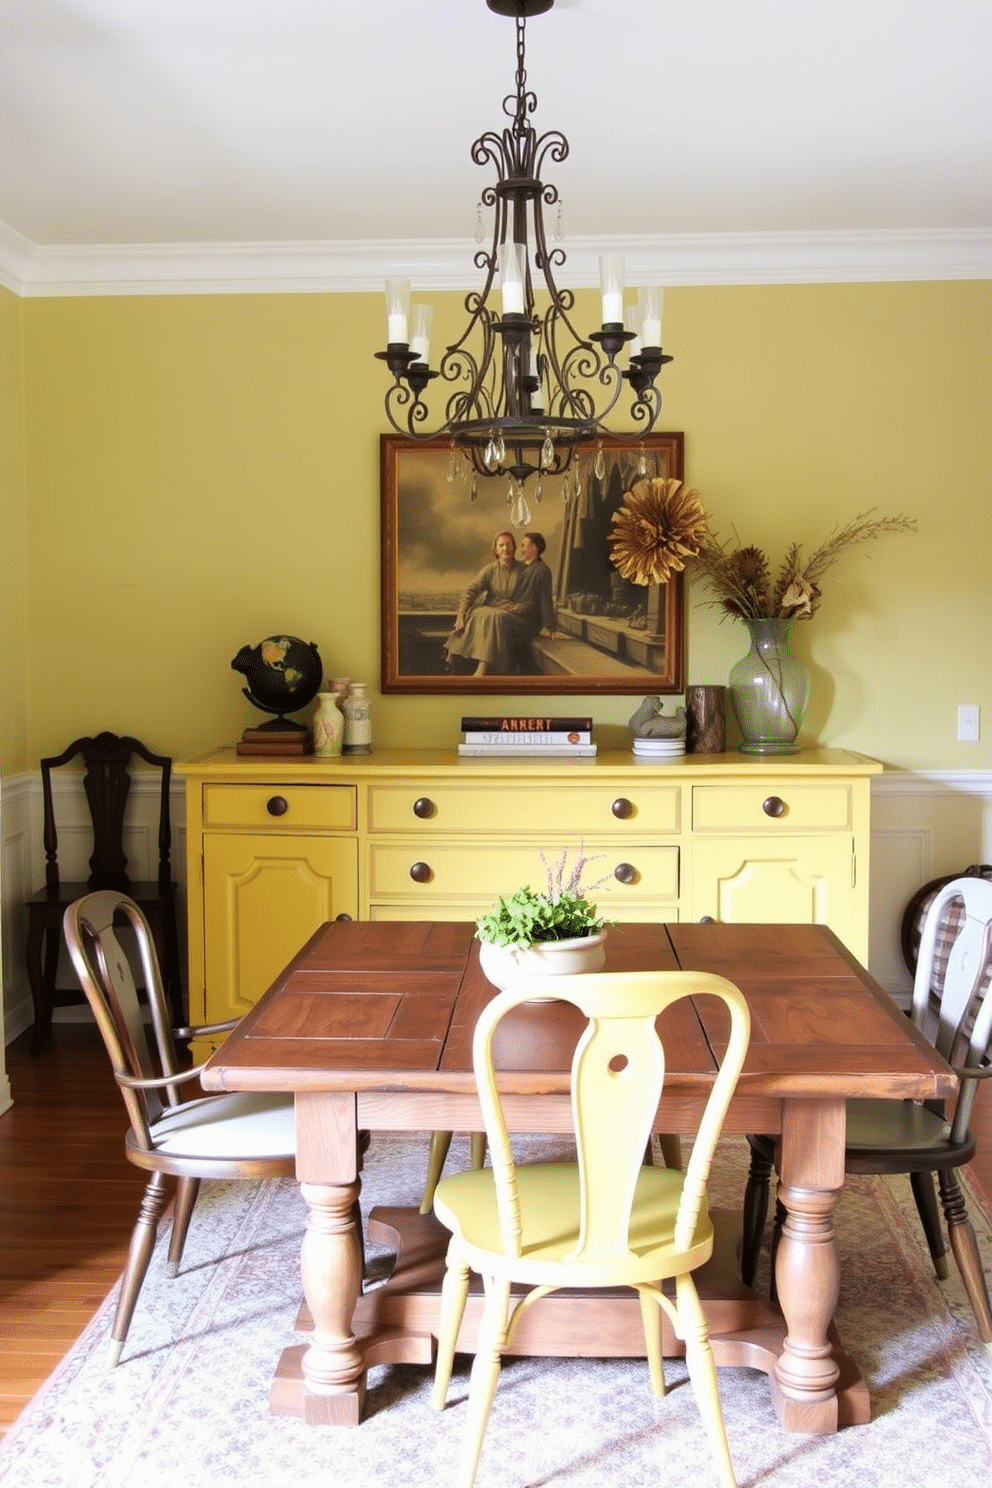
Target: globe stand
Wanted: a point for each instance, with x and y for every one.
(281, 724)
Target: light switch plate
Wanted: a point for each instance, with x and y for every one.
(969, 723)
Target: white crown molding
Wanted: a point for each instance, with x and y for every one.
(16, 253)
(61, 270)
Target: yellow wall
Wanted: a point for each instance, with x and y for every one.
(203, 471)
(13, 552)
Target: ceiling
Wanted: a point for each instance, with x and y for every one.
(284, 137)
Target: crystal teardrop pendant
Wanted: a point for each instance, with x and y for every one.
(490, 459)
(521, 511)
(599, 468)
(452, 466)
(480, 230)
(642, 464)
(538, 492)
(547, 451)
(500, 448)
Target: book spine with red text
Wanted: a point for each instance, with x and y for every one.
(519, 724)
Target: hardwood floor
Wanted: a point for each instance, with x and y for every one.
(69, 1198)
(68, 1202)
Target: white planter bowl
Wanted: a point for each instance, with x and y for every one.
(502, 964)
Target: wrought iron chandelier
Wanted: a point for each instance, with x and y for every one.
(528, 388)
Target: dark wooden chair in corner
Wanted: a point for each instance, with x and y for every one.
(107, 784)
(920, 1139)
(240, 1135)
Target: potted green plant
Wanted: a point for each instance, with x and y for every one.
(552, 931)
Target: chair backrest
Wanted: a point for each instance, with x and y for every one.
(107, 783)
(617, 1076)
(91, 931)
(961, 1027)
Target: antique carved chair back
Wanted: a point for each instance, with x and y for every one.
(107, 781)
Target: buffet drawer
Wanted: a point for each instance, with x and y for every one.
(436, 872)
(519, 808)
(780, 806)
(288, 808)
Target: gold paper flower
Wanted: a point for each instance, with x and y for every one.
(659, 527)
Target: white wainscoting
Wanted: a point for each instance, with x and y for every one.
(922, 825)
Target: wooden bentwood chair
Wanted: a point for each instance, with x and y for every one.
(892, 1136)
(217, 1136)
(605, 1220)
(107, 784)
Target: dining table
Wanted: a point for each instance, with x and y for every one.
(370, 1026)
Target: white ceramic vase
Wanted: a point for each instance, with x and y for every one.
(502, 964)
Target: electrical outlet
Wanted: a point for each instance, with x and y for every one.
(969, 723)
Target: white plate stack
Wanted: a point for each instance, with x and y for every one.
(659, 750)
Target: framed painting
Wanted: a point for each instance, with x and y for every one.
(551, 616)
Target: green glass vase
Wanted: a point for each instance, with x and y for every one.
(769, 690)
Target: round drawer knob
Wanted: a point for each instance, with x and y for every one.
(421, 873)
(707, 920)
(424, 807)
(773, 806)
(625, 873)
(277, 805)
(343, 917)
(622, 808)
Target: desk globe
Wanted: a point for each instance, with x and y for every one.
(283, 675)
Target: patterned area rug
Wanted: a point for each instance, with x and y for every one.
(188, 1406)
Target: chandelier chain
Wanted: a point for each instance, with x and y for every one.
(521, 79)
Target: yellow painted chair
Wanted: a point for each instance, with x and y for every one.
(605, 1220)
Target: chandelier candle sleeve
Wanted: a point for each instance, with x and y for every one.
(397, 311)
(512, 271)
(649, 300)
(420, 341)
(611, 281)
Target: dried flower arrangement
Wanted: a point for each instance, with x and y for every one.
(741, 581)
(658, 528)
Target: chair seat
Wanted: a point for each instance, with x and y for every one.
(236, 1126)
(465, 1203)
(142, 892)
(903, 1131)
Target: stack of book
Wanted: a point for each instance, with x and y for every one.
(516, 737)
(276, 743)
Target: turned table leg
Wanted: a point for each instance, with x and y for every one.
(327, 1160)
(807, 1270)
